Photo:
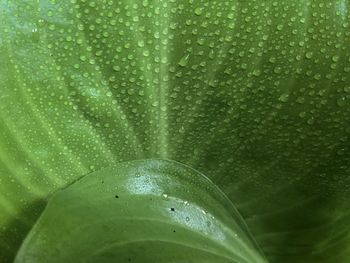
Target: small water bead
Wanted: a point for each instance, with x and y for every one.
(308, 55)
(201, 41)
(272, 60)
(341, 102)
(256, 72)
(211, 54)
(300, 100)
(311, 121)
(317, 76)
(198, 11)
(244, 66)
(335, 58)
(131, 91)
(116, 68)
(284, 97)
(302, 114)
(277, 70)
(83, 58)
(156, 35)
(230, 15)
(141, 43)
(324, 101)
(35, 34)
(279, 27)
(184, 60)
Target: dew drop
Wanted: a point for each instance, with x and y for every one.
(184, 60)
(198, 11)
(335, 58)
(308, 55)
(141, 43)
(284, 97)
(311, 121)
(341, 102)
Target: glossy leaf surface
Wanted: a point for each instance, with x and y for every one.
(142, 211)
(253, 94)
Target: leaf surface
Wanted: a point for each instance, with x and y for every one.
(254, 94)
(141, 211)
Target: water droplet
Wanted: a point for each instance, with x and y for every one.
(335, 58)
(145, 53)
(308, 55)
(284, 97)
(184, 60)
(116, 68)
(277, 70)
(272, 60)
(141, 43)
(311, 121)
(341, 102)
(83, 58)
(256, 72)
(35, 35)
(279, 27)
(198, 11)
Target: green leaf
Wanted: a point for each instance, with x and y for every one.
(141, 211)
(253, 94)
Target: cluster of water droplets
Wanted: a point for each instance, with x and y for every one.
(233, 88)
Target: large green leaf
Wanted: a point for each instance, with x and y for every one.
(143, 211)
(254, 94)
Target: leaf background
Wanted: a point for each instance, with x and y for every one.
(254, 94)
